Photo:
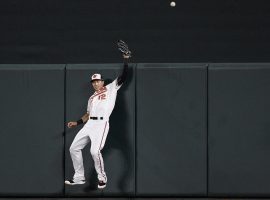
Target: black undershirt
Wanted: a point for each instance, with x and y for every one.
(121, 79)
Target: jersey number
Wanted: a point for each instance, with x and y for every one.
(101, 97)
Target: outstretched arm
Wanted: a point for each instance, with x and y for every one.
(121, 79)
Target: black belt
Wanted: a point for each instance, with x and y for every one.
(96, 118)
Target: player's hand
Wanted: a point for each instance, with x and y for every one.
(71, 124)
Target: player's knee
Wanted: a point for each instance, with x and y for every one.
(94, 153)
(72, 149)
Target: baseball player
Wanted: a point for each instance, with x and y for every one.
(99, 109)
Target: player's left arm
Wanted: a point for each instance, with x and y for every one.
(122, 78)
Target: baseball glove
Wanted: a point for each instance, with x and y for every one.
(123, 48)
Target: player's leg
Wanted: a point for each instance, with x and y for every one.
(79, 142)
(98, 139)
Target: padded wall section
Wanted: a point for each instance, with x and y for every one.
(31, 121)
(118, 152)
(171, 129)
(239, 129)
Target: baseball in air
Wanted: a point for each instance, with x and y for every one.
(172, 4)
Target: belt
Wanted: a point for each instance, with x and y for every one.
(96, 118)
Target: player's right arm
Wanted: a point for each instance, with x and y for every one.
(83, 119)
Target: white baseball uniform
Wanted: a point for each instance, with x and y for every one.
(100, 105)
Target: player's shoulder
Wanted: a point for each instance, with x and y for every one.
(113, 82)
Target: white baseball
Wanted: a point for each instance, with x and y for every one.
(172, 4)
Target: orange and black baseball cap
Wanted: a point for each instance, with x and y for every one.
(95, 77)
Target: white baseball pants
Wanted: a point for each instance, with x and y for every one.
(97, 132)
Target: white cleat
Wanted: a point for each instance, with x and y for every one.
(101, 185)
(71, 182)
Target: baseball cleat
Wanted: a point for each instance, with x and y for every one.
(101, 185)
(71, 182)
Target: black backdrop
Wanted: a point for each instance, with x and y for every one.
(85, 31)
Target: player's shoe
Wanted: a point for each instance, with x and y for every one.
(101, 184)
(71, 182)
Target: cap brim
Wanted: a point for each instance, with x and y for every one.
(96, 80)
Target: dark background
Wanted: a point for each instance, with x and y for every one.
(32, 131)
(85, 31)
(171, 129)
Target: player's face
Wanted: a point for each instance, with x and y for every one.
(97, 84)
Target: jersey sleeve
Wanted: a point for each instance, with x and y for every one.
(113, 85)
